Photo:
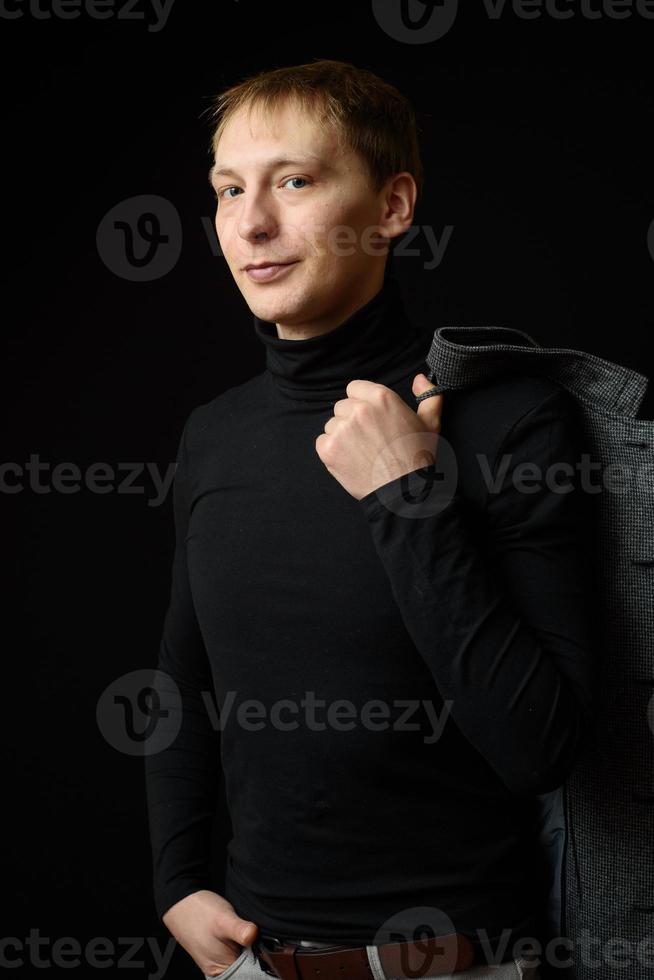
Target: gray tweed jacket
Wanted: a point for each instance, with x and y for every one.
(597, 829)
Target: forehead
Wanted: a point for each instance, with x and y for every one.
(253, 135)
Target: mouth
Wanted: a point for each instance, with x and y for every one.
(265, 271)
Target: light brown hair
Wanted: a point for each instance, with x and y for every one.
(370, 115)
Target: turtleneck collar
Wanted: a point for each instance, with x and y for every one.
(377, 342)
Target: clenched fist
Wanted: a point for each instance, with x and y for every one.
(374, 437)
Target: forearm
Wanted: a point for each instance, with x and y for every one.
(518, 694)
(182, 762)
(181, 785)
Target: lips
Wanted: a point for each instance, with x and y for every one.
(265, 265)
(268, 271)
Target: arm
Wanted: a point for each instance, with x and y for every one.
(182, 779)
(503, 624)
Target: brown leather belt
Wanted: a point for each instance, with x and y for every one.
(405, 960)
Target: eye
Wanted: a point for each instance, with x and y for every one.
(221, 193)
(233, 187)
(296, 178)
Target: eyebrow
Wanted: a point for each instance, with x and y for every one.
(219, 170)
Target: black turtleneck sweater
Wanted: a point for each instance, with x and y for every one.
(287, 590)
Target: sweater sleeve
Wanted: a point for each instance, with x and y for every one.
(498, 603)
(182, 777)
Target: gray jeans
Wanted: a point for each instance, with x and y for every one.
(246, 967)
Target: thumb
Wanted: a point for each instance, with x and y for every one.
(243, 930)
(429, 409)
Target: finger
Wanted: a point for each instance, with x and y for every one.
(360, 388)
(429, 408)
(344, 406)
(333, 423)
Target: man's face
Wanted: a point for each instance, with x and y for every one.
(319, 213)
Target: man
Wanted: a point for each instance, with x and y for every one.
(401, 664)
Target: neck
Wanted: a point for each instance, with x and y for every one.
(334, 317)
(376, 342)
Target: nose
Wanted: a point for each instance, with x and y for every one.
(257, 218)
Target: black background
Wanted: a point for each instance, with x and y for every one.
(536, 139)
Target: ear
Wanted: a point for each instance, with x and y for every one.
(399, 201)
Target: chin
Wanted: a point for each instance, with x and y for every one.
(276, 306)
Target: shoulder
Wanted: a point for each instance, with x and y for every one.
(223, 415)
(494, 409)
(529, 416)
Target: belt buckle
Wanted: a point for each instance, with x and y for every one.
(258, 945)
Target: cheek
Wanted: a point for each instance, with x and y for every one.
(331, 230)
(225, 232)
(311, 224)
